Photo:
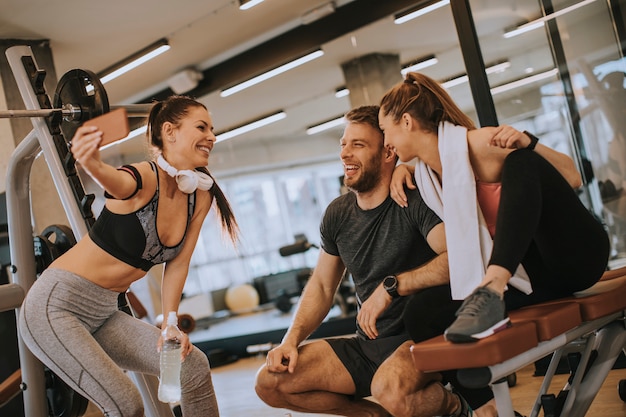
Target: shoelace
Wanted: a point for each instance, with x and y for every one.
(475, 304)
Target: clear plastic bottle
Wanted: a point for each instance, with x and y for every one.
(169, 381)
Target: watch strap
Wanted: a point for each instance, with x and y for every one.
(533, 140)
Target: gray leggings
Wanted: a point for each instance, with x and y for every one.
(75, 328)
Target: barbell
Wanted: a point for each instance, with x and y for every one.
(79, 96)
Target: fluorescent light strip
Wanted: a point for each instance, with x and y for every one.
(489, 70)
(134, 63)
(524, 81)
(342, 92)
(325, 126)
(455, 81)
(134, 133)
(251, 126)
(245, 5)
(540, 22)
(420, 12)
(498, 67)
(523, 29)
(272, 73)
(420, 65)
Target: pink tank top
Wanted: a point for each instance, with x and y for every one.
(488, 195)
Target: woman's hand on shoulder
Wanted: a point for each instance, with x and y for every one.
(508, 137)
(402, 176)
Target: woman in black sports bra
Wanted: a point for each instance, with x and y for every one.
(153, 214)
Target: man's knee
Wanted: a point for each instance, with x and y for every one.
(401, 393)
(390, 395)
(267, 386)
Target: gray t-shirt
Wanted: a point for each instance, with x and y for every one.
(375, 243)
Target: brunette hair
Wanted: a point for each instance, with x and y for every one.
(366, 115)
(426, 101)
(173, 110)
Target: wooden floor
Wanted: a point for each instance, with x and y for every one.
(235, 393)
(234, 385)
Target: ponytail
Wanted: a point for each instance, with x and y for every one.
(224, 210)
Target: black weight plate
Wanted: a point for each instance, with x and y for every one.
(61, 236)
(83, 90)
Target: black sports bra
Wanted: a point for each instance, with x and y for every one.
(133, 238)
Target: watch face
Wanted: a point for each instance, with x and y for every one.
(390, 282)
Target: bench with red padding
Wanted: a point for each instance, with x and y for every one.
(537, 331)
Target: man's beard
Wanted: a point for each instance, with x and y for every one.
(369, 177)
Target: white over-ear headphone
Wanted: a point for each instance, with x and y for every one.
(188, 180)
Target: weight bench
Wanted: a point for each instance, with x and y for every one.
(591, 322)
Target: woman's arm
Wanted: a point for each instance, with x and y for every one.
(402, 176)
(176, 270)
(510, 138)
(86, 151)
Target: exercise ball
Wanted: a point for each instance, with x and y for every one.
(241, 298)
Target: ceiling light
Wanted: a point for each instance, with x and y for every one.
(540, 22)
(414, 13)
(329, 124)
(248, 4)
(276, 71)
(342, 92)
(527, 27)
(500, 67)
(455, 81)
(419, 64)
(524, 81)
(134, 60)
(264, 121)
(460, 79)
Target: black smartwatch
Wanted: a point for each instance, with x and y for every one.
(390, 284)
(533, 140)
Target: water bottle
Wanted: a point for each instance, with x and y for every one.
(169, 381)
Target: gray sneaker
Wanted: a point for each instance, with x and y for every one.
(481, 314)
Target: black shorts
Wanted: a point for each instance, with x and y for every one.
(362, 357)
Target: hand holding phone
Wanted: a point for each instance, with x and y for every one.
(113, 125)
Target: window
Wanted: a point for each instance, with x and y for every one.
(271, 209)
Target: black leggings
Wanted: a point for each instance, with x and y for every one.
(543, 225)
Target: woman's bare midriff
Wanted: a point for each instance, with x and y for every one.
(92, 263)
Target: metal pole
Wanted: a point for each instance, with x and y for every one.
(23, 264)
(10, 114)
(133, 110)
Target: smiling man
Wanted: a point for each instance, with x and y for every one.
(391, 252)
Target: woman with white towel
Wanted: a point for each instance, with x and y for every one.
(516, 231)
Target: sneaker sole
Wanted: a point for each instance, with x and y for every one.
(465, 338)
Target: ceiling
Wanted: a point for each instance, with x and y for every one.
(229, 45)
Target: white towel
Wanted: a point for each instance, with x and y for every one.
(467, 236)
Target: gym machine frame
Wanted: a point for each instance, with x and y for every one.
(46, 137)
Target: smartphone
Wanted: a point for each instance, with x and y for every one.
(113, 125)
